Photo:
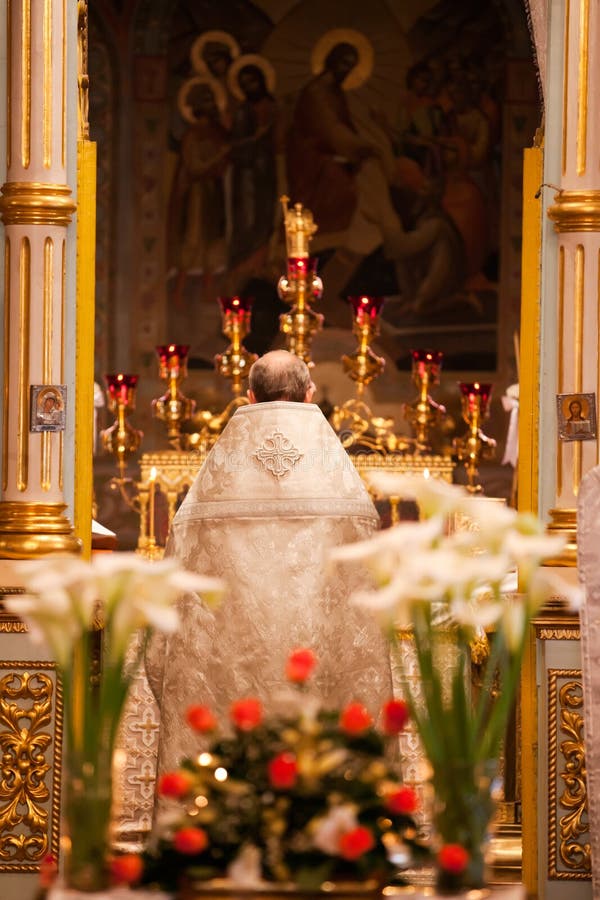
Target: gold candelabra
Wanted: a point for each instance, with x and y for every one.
(173, 407)
(234, 363)
(121, 439)
(474, 445)
(424, 413)
(301, 283)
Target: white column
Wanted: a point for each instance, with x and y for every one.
(36, 207)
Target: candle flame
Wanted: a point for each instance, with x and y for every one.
(153, 473)
(426, 473)
(171, 348)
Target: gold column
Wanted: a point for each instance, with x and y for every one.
(36, 207)
(576, 217)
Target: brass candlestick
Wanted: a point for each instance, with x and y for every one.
(424, 413)
(354, 421)
(121, 439)
(301, 283)
(234, 363)
(173, 407)
(474, 445)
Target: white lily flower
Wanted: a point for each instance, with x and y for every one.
(528, 550)
(331, 828)
(478, 612)
(434, 496)
(514, 622)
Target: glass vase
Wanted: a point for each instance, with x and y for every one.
(86, 818)
(463, 814)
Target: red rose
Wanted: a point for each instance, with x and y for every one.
(453, 858)
(395, 716)
(126, 869)
(246, 714)
(356, 842)
(403, 802)
(355, 718)
(200, 718)
(174, 784)
(283, 771)
(300, 665)
(48, 871)
(190, 840)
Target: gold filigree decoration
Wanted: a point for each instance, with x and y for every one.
(278, 455)
(558, 634)
(565, 713)
(83, 81)
(30, 778)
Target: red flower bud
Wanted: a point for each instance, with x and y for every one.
(48, 871)
(246, 714)
(200, 718)
(356, 842)
(453, 858)
(126, 869)
(395, 716)
(283, 771)
(403, 802)
(174, 784)
(355, 718)
(190, 841)
(300, 665)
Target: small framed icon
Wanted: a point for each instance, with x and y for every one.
(576, 417)
(48, 407)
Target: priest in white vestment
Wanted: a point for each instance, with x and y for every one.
(275, 494)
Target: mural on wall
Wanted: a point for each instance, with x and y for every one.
(389, 130)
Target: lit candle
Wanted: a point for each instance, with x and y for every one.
(152, 491)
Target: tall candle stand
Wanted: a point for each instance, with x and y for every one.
(173, 408)
(234, 363)
(424, 414)
(474, 445)
(121, 439)
(301, 283)
(354, 421)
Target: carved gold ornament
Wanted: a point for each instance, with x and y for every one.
(30, 745)
(567, 846)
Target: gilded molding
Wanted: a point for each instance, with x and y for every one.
(31, 743)
(566, 85)
(23, 364)
(26, 84)
(558, 634)
(47, 86)
(29, 529)
(6, 362)
(564, 835)
(9, 75)
(575, 211)
(36, 203)
(582, 85)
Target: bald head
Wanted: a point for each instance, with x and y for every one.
(280, 375)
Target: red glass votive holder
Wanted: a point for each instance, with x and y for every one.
(364, 306)
(475, 394)
(121, 388)
(427, 362)
(302, 267)
(172, 360)
(234, 305)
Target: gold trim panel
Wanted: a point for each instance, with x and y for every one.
(23, 362)
(6, 362)
(9, 66)
(566, 85)
(47, 82)
(31, 763)
(34, 203)
(565, 715)
(575, 211)
(582, 85)
(26, 84)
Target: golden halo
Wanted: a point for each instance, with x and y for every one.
(363, 46)
(216, 37)
(250, 59)
(182, 94)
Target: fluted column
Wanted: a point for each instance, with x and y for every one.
(36, 207)
(576, 217)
